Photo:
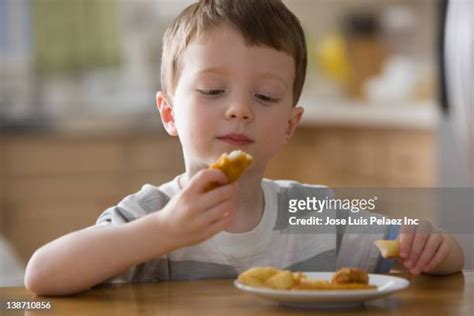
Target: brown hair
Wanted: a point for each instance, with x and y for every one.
(261, 22)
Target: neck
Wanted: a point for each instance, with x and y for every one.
(249, 203)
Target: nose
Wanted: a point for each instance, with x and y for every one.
(239, 110)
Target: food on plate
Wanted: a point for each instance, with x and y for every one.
(257, 276)
(283, 280)
(326, 285)
(388, 248)
(350, 275)
(232, 165)
(273, 278)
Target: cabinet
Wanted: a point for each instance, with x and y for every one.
(359, 157)
(53, 184)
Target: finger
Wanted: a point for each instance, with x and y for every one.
(432, 245)
(221, 224)
(217, 212)
(406, 240)
(203, 178)
(419, 242)
(423, 231)
(222, 193)
(200, 204)
(440, 255)
(208, 200)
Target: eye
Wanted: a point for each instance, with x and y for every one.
(212, 92)
(266, 98)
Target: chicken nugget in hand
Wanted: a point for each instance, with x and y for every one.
(388, 248)
(232, 165)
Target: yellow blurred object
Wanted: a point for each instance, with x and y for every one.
(332, 57)
(276, 279)
(283, 280)
(232, 165)
(72, 36)
(257, 276)
(388, 248)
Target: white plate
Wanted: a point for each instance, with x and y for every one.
(328, 299)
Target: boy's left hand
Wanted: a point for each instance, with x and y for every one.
(422, 248)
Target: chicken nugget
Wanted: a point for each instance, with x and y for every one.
(350, 275)
(283, 280)
(257, 276)
(352, 286)
(312, 284)
(298, 277)
(232, 165)
(323, 285)
(388, 248)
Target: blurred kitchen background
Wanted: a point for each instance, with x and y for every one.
(79, 128)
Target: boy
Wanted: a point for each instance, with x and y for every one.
(232, 73)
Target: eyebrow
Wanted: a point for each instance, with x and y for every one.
(213, 70)
(222, 71)
(274, 77)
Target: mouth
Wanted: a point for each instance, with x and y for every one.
(236, 139)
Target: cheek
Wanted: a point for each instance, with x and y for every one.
(194, 119)
(277, 123)
(274, 130)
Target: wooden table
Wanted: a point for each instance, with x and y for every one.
(427, 295)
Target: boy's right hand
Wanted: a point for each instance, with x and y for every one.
(195, 215)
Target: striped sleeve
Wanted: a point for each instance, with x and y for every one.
(148, 200)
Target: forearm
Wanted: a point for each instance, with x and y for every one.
(454, 262)
(82, 259)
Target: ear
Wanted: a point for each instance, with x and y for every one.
(296, 114)
(164, 105)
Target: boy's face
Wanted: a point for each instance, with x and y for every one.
(231, 96)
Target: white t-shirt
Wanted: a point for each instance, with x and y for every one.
(225, 255)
